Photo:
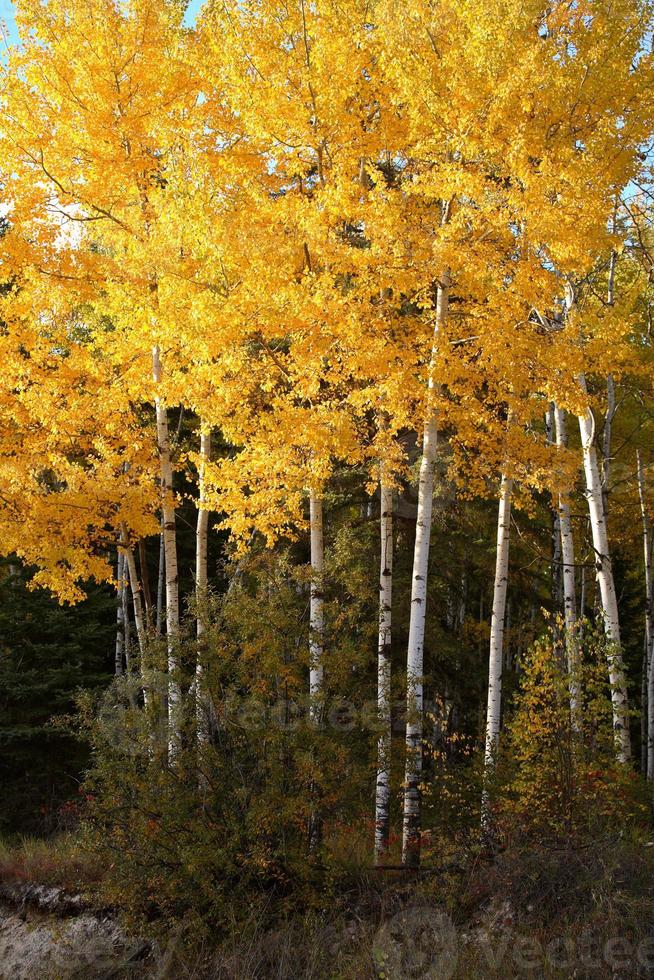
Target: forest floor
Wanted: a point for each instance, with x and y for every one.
(584, 912)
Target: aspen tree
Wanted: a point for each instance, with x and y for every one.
(415, 650)
(120, 616)
(316, 612)
(303, 106)
(260, 234)
(135, 586)
(384, 743)
(468, 163)
(127, 639)
(161, 578)
(606, 582)
(64, 499)
(201, 585)
(496, 655)
(98, 161)
(568, 560)
(649, 637)
(170, 556)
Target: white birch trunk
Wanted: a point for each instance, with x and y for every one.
(383, 790)
(201, 579)
(316, 643)
(135, 587)
(120, 615)
(647, 554)
(496, 654)
(160, 584)
(170, 551)
(569, 591)
(127, 640)
(558, 597)
(604, 572)
(415, 651)
(644, 710)
(316, 610)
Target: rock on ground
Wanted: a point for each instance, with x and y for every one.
(44, 945)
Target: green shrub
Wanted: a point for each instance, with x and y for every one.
(557, 771)
(225, 824)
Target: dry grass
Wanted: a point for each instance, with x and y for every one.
(56, 861)
(537, 909)
(583, 910)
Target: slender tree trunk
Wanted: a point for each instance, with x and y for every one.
(604, 572)
(316, 645)
(135, 587)
(647, 554)
(316, 611)
(481, 712)
(127, 640)
(569, 592)
(201, 581)
(557, 564)
(582, 589)
(558, 595)
(170, 549)
(415, 651)
(383, 792)
(161, 583)
(494, 708)
(120, 615)
(145, 579)
(644, 710)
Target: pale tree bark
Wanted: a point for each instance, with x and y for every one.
(649, 636)
(316, 608)
(201, 582)
(383, 789)
(644, 709)
(161, 584)
(170, 551)
(127, 641)
(496, 654)
(135, 587)
(120, 615)
(569, 591)
(316, 644)
(604, 573)
(557, 562)
(415, 651)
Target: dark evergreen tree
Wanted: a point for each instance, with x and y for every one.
(47, 653)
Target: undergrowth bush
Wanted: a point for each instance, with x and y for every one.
(224, 825)
(557, 773)
(213, 844)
